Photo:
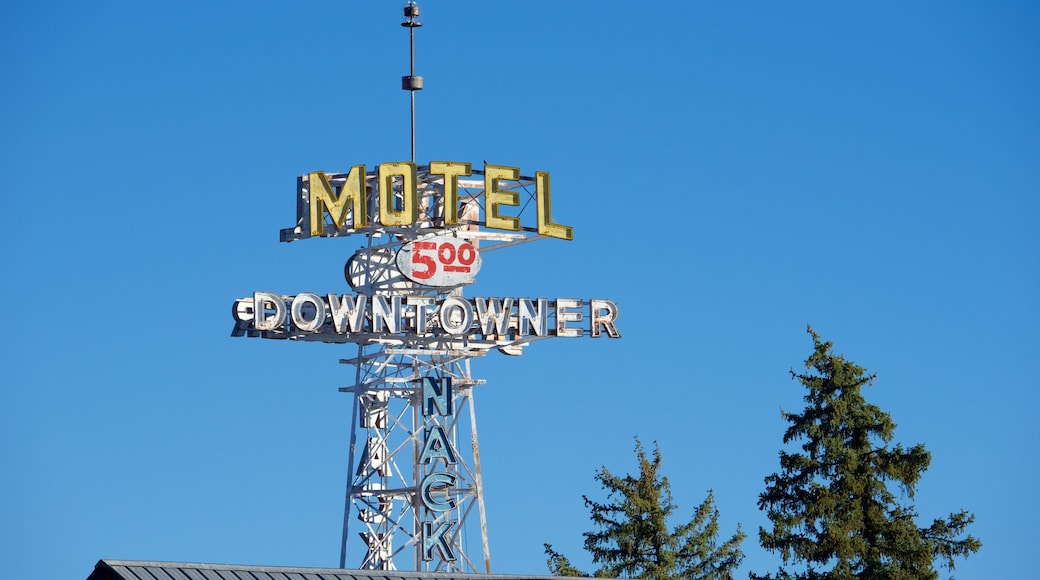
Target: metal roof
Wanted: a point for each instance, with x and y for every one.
(135, 570)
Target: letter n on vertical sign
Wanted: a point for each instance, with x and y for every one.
(436, 395)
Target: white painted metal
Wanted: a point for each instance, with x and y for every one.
(384, 510)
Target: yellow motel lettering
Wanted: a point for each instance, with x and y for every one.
(397, 198)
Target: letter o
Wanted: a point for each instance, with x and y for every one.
(456, 324)
(298, 317)
(446, 253)
(467, 254)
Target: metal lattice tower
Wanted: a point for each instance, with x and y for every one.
(414, 489)
(413, 411)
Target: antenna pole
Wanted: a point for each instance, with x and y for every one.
(412, 82)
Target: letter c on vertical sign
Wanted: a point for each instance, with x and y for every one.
(438, 480)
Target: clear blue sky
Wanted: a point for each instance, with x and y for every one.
(732, 173)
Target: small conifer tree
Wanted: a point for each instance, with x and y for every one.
(831, 508)
(632, 538)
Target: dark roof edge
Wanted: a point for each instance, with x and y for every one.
(382, 574)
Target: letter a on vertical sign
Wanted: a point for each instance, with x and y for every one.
(436, 396)
(437, 447)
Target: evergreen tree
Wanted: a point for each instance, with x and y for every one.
(633, 540)
(830, 504)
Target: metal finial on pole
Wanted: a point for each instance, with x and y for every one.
(412, 82)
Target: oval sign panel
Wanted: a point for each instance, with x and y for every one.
(439, 261)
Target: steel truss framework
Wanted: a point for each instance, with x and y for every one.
(393, 415)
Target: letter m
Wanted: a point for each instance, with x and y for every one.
(351, 198)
